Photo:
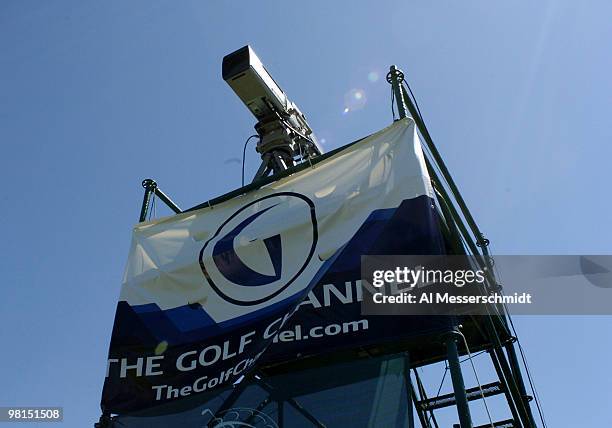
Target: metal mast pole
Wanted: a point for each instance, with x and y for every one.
(395, 77)
(463, 409)
(513, 375)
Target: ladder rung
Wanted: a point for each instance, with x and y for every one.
(447, 400)
(508, 423)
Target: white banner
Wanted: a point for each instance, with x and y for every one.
(266, 246)
(205, 292)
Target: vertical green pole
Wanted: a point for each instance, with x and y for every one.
(149, 186)
(516, 370)
(395, 77)
(463, 409)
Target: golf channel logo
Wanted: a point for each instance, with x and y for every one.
(261, 249)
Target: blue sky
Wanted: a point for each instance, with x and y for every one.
(95, 96)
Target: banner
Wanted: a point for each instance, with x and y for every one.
(268, 276)
(307, 398)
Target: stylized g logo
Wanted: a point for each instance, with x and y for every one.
(261, 249)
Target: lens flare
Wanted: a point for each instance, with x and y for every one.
(325, 137)
(161, 347)
(373, 76)
(355, 99)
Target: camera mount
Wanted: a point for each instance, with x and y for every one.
(285, 138)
